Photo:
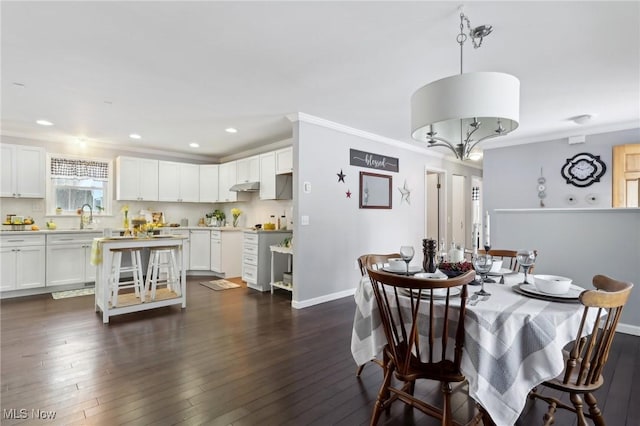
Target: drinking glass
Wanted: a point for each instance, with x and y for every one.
(406, 253)
(482, 264)
(526, 259)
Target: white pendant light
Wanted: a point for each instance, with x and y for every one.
(460, 111)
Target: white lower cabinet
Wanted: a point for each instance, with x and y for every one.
(256, 258)
(69, 258)
(199, 250)
(22, 262)
(186, 244)
(226, 252)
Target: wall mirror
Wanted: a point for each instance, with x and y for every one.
(375, 191)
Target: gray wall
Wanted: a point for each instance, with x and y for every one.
(579, 240)
(339, 231)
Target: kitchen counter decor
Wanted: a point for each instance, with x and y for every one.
(235, 212)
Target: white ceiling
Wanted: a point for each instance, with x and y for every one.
(181, 72)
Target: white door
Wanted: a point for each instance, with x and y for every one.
(458, 210)
(268, 176)
(199, 258)
(434, 203)
(8, 269)
(30, 272)
(30, 172)
(189, 183)
(216, 255)
(168, 181)
(208, 183)
(65, 264)
(148, 180)
(128, 178)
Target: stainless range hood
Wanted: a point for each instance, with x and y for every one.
(246, 187)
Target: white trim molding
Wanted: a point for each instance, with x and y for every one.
(300, 304)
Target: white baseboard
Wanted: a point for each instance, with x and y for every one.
(628, 329)
(299, 304)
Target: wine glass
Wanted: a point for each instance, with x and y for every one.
(526, 259)
(406, 253)
(482, 264)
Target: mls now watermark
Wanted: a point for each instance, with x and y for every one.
(24, 413)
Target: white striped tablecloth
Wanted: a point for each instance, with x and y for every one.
(512, 343)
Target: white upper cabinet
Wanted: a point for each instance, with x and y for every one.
(209, 183)
(136, 179)
(274, 186)
(284, 160)
(226, 179)
(248, 169)
(268, 176)
(178, 181)
(23, 171)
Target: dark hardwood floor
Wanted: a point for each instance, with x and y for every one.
(235, 357)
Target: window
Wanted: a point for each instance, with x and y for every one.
(74, 182)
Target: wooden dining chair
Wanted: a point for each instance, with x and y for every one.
(418, 338)
(585, 361)
(508, 257)
(374, 261)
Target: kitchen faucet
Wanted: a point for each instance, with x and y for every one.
(82, 215)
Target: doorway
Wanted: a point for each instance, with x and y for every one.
(458, 210)
(435, 225)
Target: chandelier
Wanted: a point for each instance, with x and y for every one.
(460, 111)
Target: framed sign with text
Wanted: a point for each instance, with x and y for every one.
(373, 161)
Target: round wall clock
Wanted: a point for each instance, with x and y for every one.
(583, 169)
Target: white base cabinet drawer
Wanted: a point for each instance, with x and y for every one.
(250, 249)
(249, 259)
(250, 274)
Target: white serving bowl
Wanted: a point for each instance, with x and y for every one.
(552, 284)
(396, 264)
(496, 266)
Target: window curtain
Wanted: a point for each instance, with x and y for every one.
(79, 169)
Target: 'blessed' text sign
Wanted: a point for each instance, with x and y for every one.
(373, 161)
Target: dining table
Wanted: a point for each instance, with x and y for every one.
(513, 340)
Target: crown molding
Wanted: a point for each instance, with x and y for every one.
(311, 119)
(118, 147)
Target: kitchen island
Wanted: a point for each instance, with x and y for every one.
(102, 258)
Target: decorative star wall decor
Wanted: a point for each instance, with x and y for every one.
(348, 194)
(405, 192)
(341, 176)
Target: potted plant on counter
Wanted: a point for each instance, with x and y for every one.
(219, 216)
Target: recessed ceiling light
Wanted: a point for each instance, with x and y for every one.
(135, 136)
(581, 119)
(194, 145)
(231, 130)
(44, 122)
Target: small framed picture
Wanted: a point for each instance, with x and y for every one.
(375, 191)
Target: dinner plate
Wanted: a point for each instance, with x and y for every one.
(502, 271)
(431, 275)
(438, 293)
(530, 290)
(412, 269)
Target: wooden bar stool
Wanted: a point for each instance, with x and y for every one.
(137, 281)
(163, 259)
